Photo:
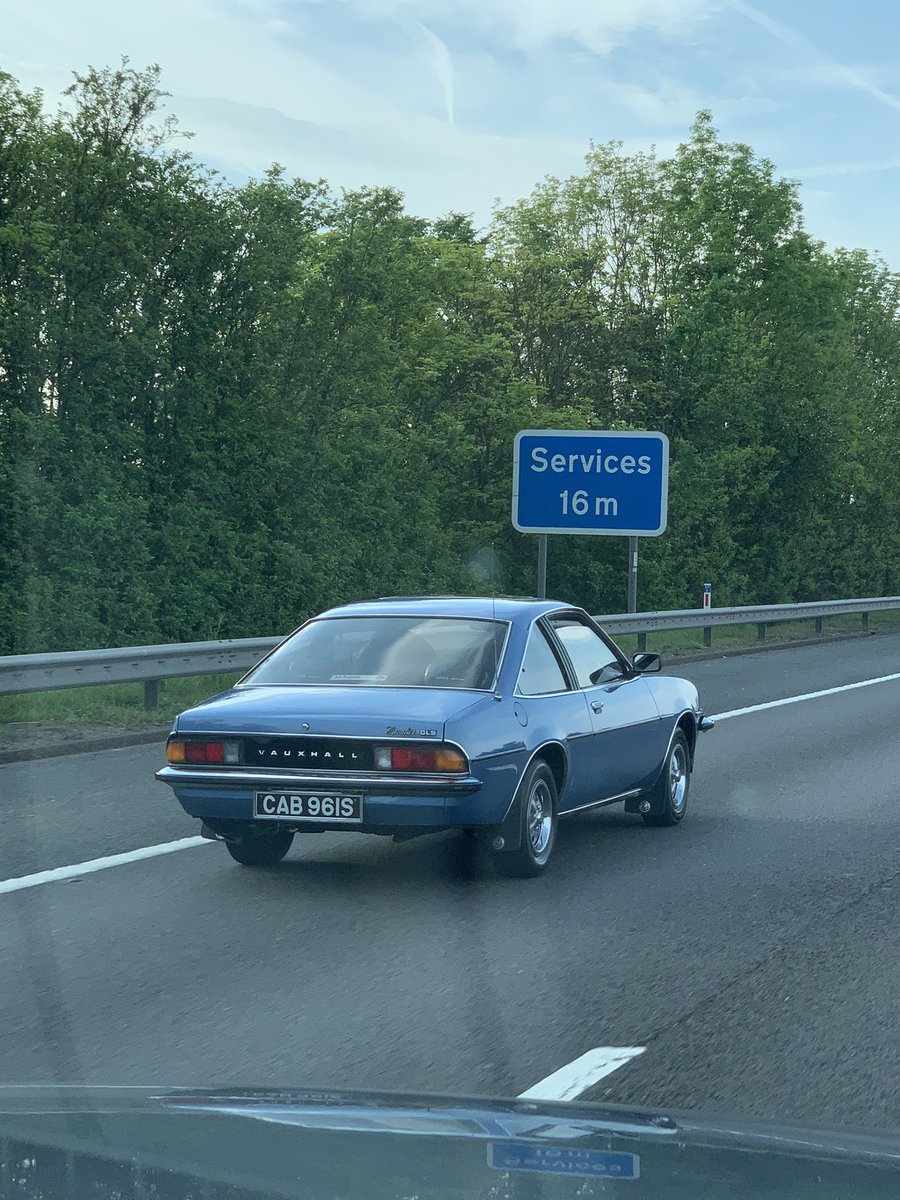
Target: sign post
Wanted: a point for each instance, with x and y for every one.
(590, 482)
(707, 603)
(632, 573)
(542, 567)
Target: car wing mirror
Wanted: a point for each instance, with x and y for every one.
(646, 662)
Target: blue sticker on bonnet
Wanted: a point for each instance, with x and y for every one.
(562, 1160)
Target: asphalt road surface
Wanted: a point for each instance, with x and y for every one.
(753, 952)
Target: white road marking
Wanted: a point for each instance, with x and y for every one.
(845, 687)
(99, 864)
(576, 1077)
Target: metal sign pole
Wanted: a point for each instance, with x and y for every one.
(542, 567)
(632, 573)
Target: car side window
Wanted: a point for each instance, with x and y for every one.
(587, 650)
(541, 673)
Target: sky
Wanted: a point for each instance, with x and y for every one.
(465, 103)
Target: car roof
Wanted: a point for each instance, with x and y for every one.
(502, 608)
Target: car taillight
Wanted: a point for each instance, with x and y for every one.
(412, 758)
(202, 752)
(420, 758)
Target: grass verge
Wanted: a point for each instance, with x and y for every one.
(677, 642)
(120, 705)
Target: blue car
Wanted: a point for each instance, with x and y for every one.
(411, 715)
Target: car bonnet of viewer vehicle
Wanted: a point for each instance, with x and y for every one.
(163, 1144)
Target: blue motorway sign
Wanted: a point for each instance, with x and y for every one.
(568, 481)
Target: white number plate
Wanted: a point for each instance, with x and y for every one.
(308, 806)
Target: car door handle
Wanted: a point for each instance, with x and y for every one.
(597, 706)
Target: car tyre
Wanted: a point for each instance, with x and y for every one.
(669, 796)
(538, 815)
(260, 849)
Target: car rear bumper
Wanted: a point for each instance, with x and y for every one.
(387, 803)
(255, 781)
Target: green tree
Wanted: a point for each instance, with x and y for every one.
(223, 408)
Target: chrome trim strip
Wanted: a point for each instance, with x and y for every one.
(495, 682)
(567, 812)
(374, 739)
(543, 695)
(411, 783)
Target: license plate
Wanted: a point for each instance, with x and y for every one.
(308, 806)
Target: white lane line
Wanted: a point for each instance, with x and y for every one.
(845, 687)
(576, 1077)
(99, 864)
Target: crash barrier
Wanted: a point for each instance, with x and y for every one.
(20, 673)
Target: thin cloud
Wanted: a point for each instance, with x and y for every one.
(530, 25)
(443, 67)
(669, 103)
(825, 170)
(838, 72)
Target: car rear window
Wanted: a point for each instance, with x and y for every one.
(438, 652)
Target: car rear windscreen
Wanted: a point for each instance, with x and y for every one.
(438, 652)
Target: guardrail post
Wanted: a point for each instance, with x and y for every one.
(761, 631)
(865, 620)
(818, 624)
(642, 642)
(151, 694)
(707, 635)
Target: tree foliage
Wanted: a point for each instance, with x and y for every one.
(223, 408)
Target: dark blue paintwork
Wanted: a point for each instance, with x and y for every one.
(597, 755)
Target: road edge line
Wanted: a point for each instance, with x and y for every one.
(833, 691)
(75, 870)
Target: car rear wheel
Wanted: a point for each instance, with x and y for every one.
(670, 794)
(260, 849)
(537, 808)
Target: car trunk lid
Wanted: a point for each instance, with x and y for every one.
(330, 712)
